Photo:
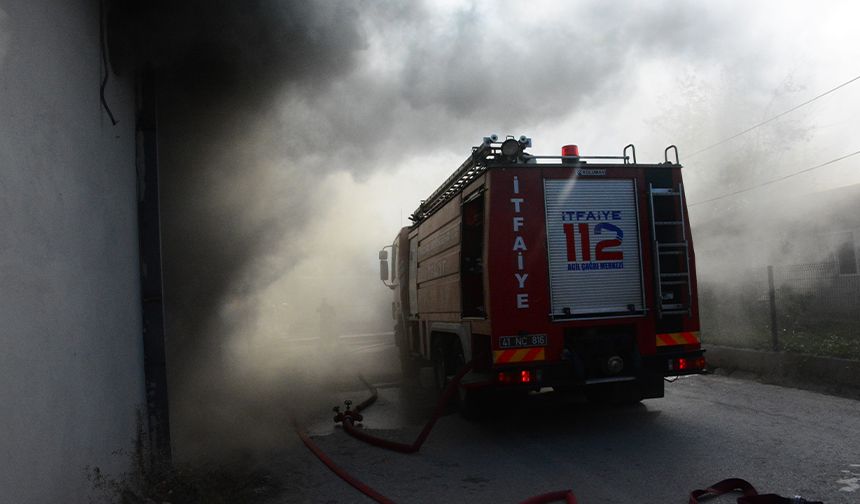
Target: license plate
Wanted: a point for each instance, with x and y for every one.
(529, 340)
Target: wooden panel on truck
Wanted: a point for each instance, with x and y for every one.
(440, 295)
(440, 265)
(441, 317)
(440, 219)
(413, 274)
(439, 241)
(438, 278)
(475, 185)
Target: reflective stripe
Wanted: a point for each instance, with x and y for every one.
(681, 338)
(519, 355)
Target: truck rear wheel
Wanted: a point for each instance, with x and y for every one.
(442, 370)
(471, 403)
(448, 359)
(441, 366)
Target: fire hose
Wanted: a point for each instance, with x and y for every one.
(348, 418)
(339, 471)
(750, 495)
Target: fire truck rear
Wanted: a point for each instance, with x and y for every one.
(570, 272)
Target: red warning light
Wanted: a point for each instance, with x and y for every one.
(570, 150)
(525, 376)
(683, 364)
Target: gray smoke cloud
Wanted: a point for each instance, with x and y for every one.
(264, 103)
(260, 99)
(221, 66)
(447, 79)
(228, 196)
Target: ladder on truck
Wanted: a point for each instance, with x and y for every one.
(671, 251)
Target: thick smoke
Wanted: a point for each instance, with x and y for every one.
(221, 67)
(261, 102)
(272, 116)
(230, 193)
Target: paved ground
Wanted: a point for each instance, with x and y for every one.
(707, 428)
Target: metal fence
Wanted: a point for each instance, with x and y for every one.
(806, 308)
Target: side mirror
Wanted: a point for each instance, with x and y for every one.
(385, 273)
(383, 270)
(383, 265)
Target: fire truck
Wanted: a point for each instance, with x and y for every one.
(568, 272)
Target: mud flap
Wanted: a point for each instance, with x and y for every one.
(651, 386)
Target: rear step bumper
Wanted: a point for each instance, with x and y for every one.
(561, 374)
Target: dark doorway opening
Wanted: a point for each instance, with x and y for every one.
(472, 258)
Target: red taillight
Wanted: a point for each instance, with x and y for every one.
(521, 376)
(685, 364)
(570, 150)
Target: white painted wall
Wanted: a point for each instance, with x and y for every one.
(71, 358)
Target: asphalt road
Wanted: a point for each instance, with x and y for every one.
(707, 428)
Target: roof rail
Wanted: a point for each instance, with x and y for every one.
(471, 168)
(492, 149)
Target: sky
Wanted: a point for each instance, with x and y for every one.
(648, 73)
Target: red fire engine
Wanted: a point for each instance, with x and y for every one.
(571, 272)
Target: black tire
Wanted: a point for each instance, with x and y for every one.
(472, 404)
(440, 365)
(448, 359)
(442, 371)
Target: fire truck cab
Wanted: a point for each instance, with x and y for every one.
(571, 272)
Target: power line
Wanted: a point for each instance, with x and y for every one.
(807, 102)
(773, 181)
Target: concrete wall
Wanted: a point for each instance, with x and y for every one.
(71, 364)
(825, 374)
